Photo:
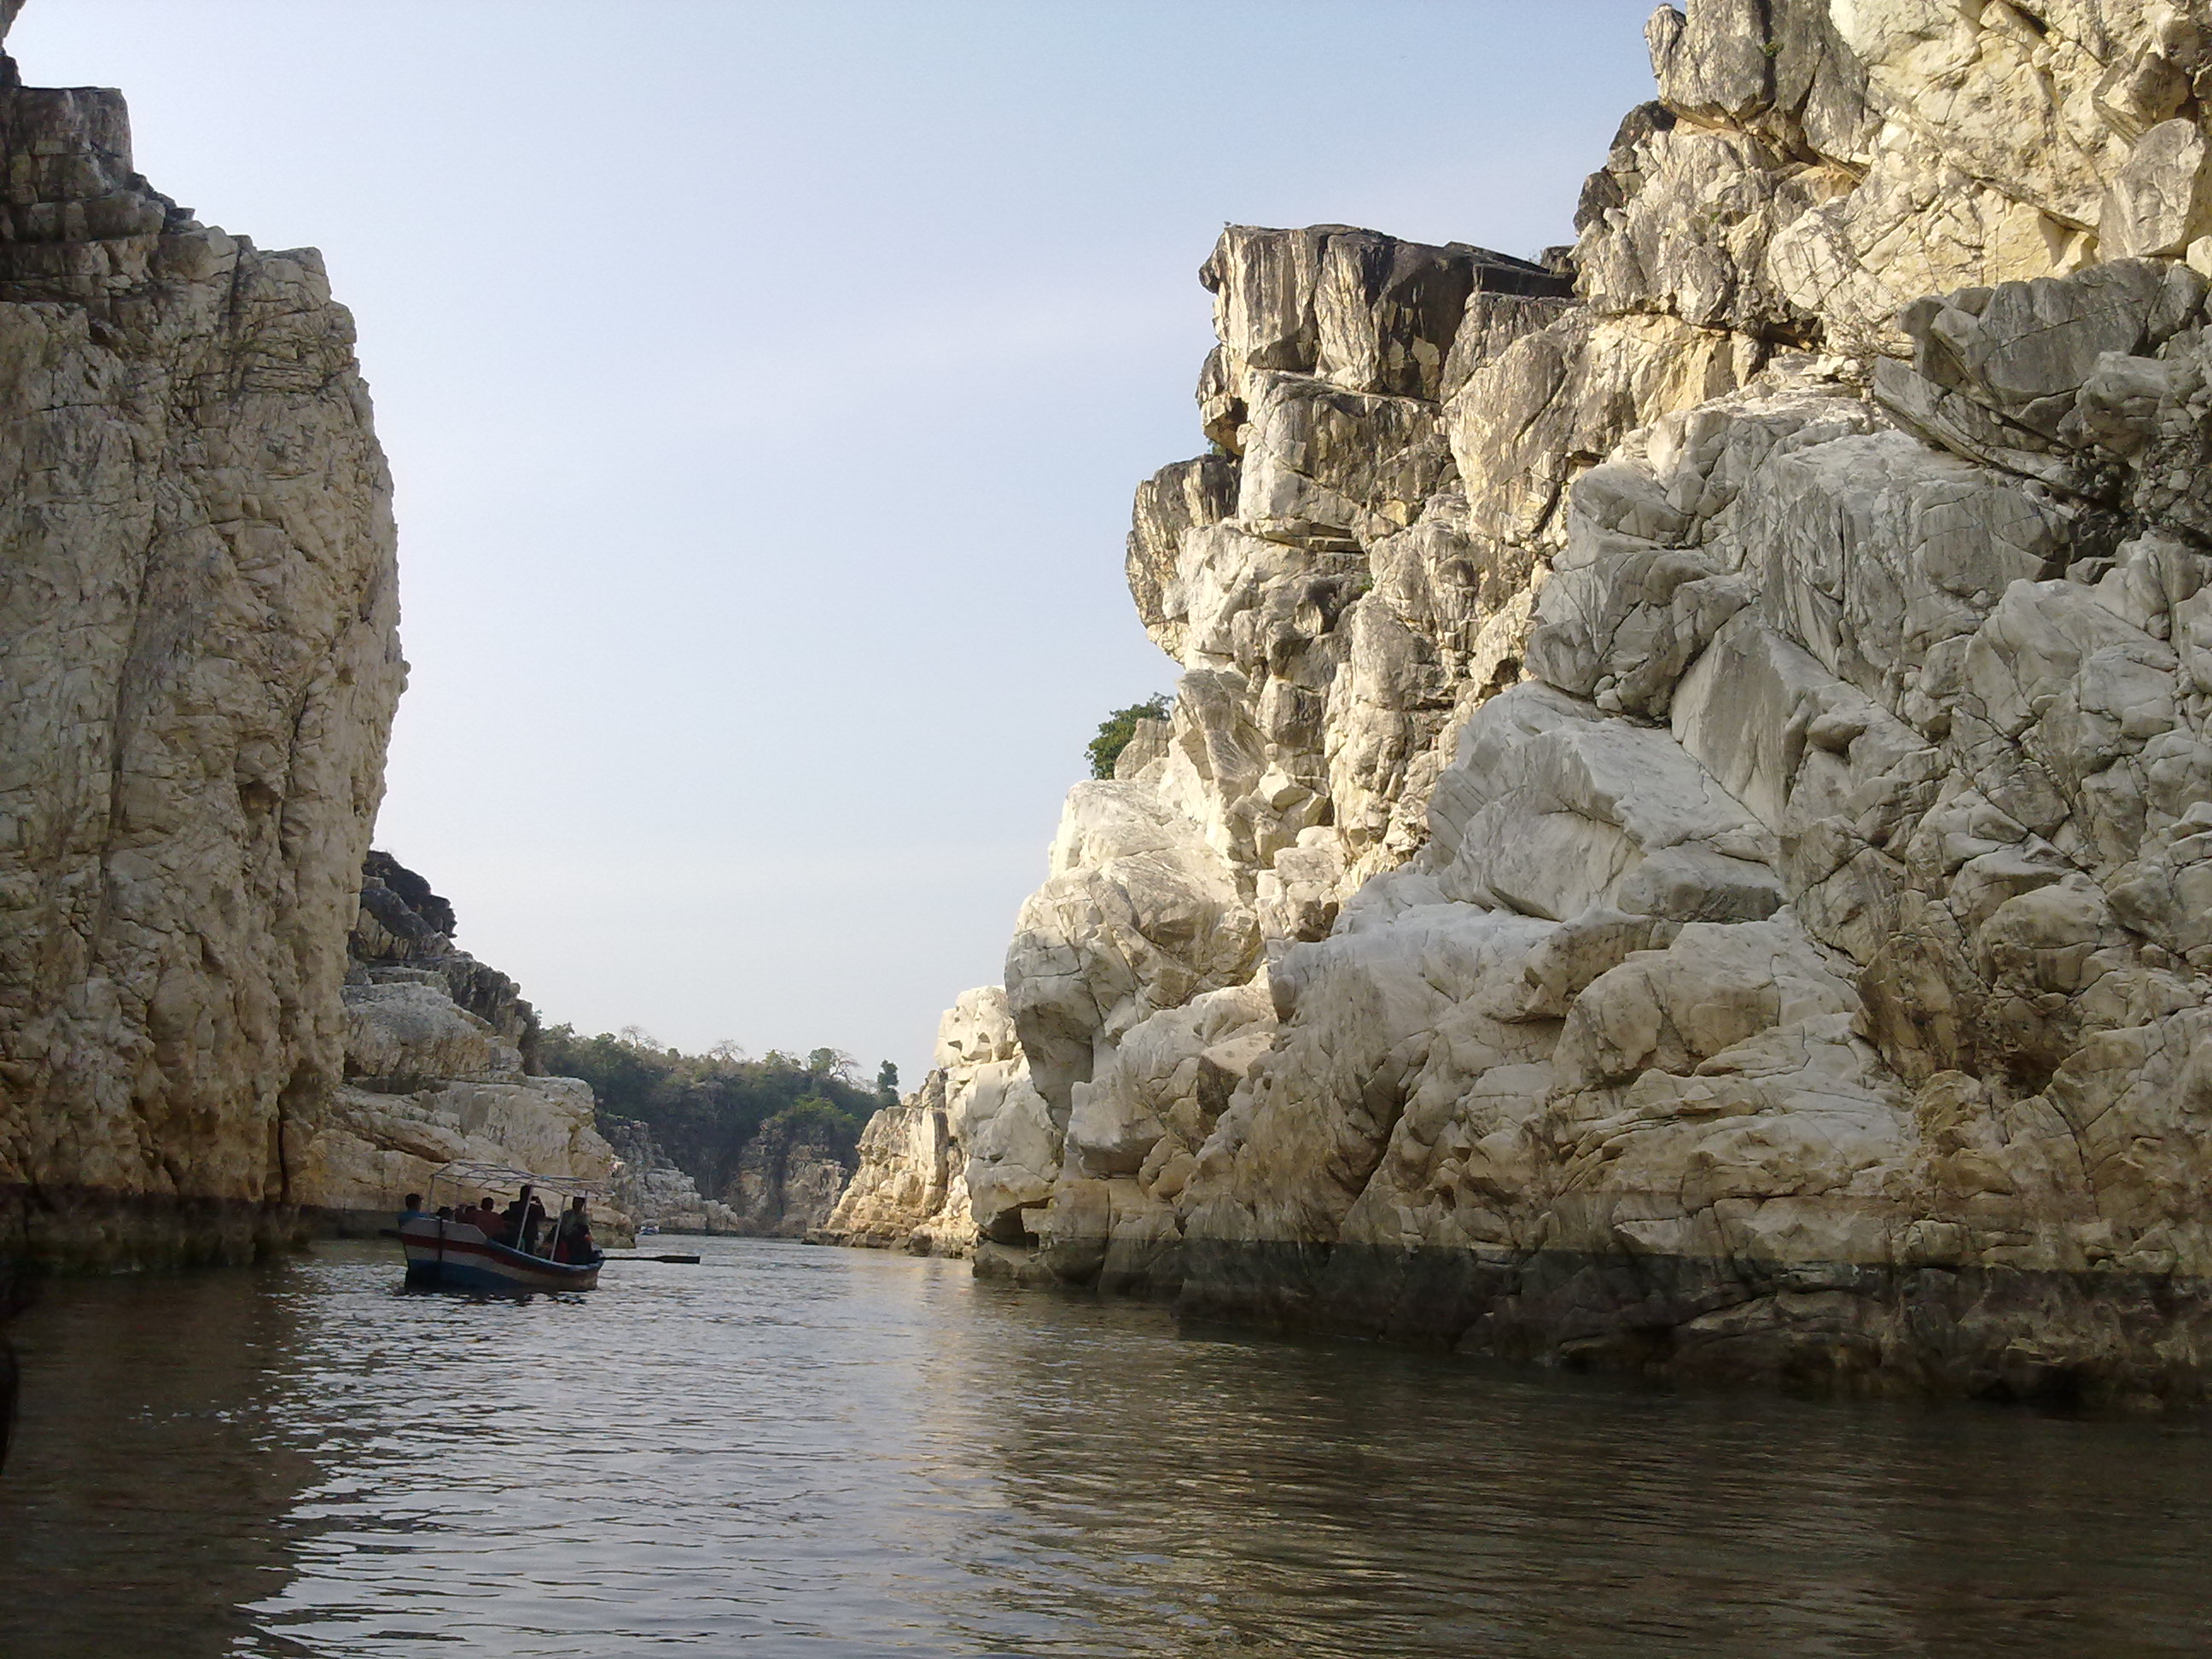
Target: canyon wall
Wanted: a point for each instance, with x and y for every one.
(440, 1067)
(1675, 847)
(787, 1180)
(199, 665)
(653, 1188)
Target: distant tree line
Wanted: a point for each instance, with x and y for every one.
(705, 1109)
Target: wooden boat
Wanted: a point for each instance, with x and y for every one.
(454, 1256)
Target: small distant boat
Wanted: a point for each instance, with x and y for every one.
(647, 1228)
(454, 1256)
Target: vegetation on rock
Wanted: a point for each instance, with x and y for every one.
(1117, 728)
(704, 1110)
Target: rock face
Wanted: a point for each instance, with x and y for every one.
(651, 1188)
(968, 1152)
(440, 1067)
(787, 1184)
(1679, 844)
(199, 658)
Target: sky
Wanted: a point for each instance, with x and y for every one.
(765, 387)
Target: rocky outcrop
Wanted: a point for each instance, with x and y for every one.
(440, 1068)
(973, 1152)
(198, 652)
(650, 1187)
(1675, 847)
(788, 1179)
(403, 924)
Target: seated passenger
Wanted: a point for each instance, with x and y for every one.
(444, 1213)
(411, 1209)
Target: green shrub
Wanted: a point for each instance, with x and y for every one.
(815, 1118)
(1115, 731)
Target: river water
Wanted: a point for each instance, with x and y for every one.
(799, 1451)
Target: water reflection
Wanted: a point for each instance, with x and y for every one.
(1327, 1501)
(787, 1451)
(147, 1493)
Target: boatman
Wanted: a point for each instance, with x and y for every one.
(411, 1209)
(523, 1220)
(572, 1239)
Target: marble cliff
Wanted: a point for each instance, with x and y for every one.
(441, 1066)
(787, 1180)
(1685, 838)
(199, 664)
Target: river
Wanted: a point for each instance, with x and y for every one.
(795, 1451)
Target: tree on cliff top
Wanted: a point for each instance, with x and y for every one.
(1117, 728)
(832, 1062)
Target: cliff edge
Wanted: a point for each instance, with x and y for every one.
(1679, 841)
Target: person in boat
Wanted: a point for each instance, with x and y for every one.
(572, 1239)
(520, 1224)
(411, 1209)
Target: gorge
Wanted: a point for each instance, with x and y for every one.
(1669, 888)
(1677, 844)
(225, 1021)
(1677, 847)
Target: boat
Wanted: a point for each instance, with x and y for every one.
(453, 1255)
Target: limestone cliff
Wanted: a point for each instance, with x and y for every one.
(976, 1117)
(786, 1183)
(198, 664)
(651, 1186)
(1680, 840)
(441, 1066)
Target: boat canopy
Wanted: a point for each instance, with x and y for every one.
(472, 1177)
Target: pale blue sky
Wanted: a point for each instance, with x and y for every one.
(765, 386)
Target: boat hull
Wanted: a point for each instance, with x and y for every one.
(443, 1256)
